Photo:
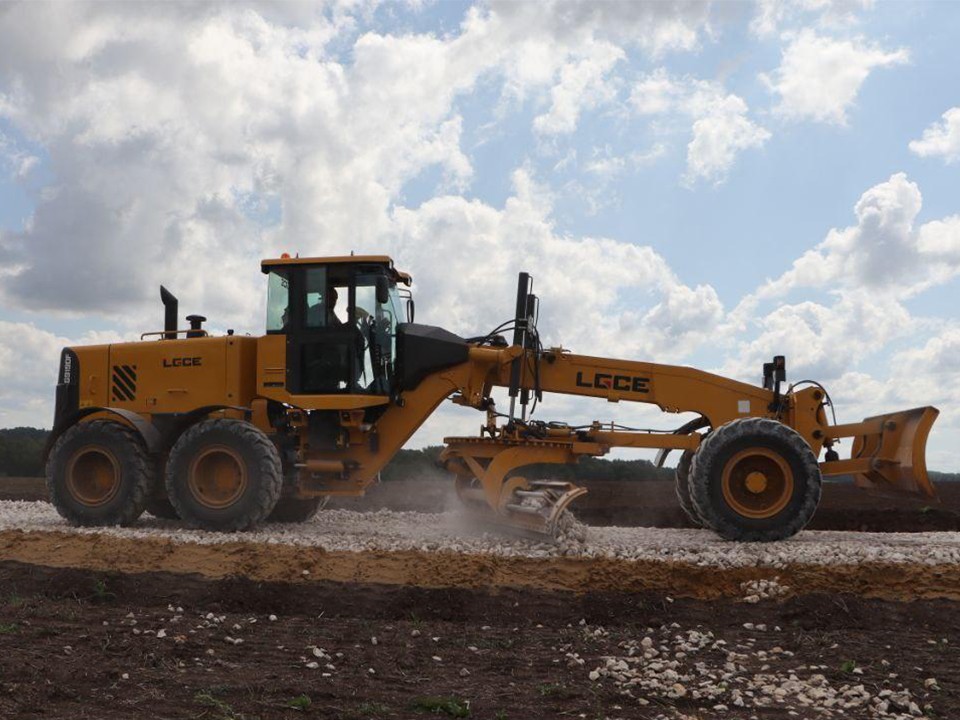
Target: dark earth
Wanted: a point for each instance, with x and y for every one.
(68, 648)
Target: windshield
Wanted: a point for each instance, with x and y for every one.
(378, 325)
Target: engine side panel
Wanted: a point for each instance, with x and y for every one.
(177, 376)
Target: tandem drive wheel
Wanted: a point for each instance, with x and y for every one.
(99, 473)
(223, 475)
(755, 479)
(297, 510)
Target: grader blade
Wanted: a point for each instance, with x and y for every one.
(486, 484)
(539, 509)
(529, 508)
(889, 453)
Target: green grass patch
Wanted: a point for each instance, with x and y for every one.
(300, 702)
(218, 708)
(371, 710)
(452, 706)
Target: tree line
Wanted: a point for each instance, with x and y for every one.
(21, 450)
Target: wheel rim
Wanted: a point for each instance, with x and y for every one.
(93, 476)
(757, 483)
(217, 477)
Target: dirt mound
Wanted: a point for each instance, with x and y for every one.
(276, 562)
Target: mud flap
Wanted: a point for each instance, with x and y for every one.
(889, 453)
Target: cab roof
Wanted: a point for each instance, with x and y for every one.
(387, 261)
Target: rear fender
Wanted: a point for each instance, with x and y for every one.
(150, 435)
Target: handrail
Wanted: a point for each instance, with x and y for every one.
(164, 333)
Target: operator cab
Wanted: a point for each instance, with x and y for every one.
(340, 318)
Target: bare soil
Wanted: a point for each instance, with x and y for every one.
(433, 569)
(69, 647)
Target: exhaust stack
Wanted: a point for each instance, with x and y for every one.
(170, 309)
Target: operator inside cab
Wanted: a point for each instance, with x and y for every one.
(340, 317)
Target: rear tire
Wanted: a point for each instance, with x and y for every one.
(755, 480)
(99, 473)
(223, 475)
(297, 510)
(683, 489)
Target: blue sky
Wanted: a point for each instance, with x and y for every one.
(670, 172)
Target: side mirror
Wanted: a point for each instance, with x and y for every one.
(410, 309)
(383, 290)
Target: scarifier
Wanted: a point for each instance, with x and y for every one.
(225, 432)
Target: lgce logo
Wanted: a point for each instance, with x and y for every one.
(622, 383)
(182, 362)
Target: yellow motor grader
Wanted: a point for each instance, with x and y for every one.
(226, 432)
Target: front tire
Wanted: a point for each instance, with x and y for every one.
(223, 475)
(683, 489)
(755, 480)
(99, 473)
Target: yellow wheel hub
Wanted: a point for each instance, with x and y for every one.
(93, 475)
(217, 477)
(757, 483)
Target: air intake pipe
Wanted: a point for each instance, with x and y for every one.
(170, 309)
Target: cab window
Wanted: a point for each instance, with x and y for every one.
(278, 301)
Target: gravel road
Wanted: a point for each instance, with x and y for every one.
(346, 531)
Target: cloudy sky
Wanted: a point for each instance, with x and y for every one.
(696, 183)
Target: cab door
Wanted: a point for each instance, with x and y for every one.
(323, 346)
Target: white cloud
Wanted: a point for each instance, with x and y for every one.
(572, 48)
(606, 165)
(521, 237)
(841, 306)
(941, 138)
(841, 309)
(821, 341)
(14, 160)
(771, 15)
(884, 252)
(583, 85)
(29, 359)
(719, 134)
(819, 77)
(721, 128)
(656, 28)
(655, 93)
(153, 153)
(162, 123)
